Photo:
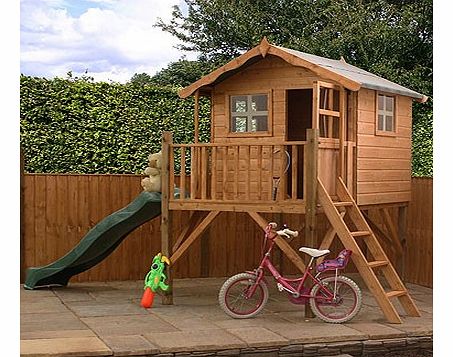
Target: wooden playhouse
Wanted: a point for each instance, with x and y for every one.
(296, 133)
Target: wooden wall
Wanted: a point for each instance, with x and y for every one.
(269, 74)
(60, 209)
(383, 162)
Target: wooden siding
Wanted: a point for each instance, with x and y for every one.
(269, 74)
(60, 209)
(383, 162)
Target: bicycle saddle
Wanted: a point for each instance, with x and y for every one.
(315, 253)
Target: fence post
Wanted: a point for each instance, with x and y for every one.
(167, 140)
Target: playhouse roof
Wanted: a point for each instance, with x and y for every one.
(351, 77)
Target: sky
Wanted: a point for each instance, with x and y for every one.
(111, 40)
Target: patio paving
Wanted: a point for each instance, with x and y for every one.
(105, 318)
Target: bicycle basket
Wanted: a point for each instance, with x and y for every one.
(339, 262)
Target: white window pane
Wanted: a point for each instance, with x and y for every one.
(380, 102)
(380, 122)
(259, 123)
(239, 124)
(239, 104)
(389, 123)
(259, 102)
(389, 104)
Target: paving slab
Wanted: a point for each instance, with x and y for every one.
(101, 308)
(127, 325)
(206, 340)
(376, 331)
(44, 304)
(258, 336)
(130, 345)
(81, 346)
(50, 322)
(32, 335)
(315, 332)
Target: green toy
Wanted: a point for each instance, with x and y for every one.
(154, 280)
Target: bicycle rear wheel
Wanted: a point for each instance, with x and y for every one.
(344, 307)
(233, 296)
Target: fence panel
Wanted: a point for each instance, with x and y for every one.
(58, 210)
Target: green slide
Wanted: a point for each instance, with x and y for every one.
(98, 243)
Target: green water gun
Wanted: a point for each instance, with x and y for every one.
(155, 279)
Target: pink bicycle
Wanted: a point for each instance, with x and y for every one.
(333, 298)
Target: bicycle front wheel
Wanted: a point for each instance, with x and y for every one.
(347, 302)
(233, 296)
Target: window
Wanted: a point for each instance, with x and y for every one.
(385, 113)
(249, 113)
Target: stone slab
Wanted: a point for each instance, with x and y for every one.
(130, 345)
(205, 340)
(127, 325)
(31, 335)
(376, 331)
(102, 308)
(81, 346)
(315, 332)
(50, 322)
(258, 336)
(43, 304)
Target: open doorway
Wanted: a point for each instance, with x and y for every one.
(299, 106)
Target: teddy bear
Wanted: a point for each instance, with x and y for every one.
(153, 183)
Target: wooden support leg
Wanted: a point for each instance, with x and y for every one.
(194, 235)
(402, 235)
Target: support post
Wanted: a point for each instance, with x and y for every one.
(167, 139)
(402, 234)
(196, 116)
(311, 182)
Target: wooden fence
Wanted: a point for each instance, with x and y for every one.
(58, 210)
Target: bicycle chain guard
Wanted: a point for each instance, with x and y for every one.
(301, 300)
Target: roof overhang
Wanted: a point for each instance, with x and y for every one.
(348, 76)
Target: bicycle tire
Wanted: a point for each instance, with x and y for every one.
(320, 307)
(234, 288)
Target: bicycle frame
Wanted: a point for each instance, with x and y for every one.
(285, 282)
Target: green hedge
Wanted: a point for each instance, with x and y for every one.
(79, 126)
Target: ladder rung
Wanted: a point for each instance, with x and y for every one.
(378, 263)
(360, 233)
(395, 293)
(342, 204)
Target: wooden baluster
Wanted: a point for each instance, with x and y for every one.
(259, 157)
(236, 172)
(294, 164)
(271, 172)
(182, 175)
(247, 172)
(214, 173)
(282, 174)
(193, 173)
(171, 160)
(225, 173)
(204, 173)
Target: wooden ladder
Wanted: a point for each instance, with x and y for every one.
(336, 213)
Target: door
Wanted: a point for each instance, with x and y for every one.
(298, 119)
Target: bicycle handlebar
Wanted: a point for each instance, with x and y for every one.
(287, 233)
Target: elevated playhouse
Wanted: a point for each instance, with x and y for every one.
(292, 133)
(296, 133)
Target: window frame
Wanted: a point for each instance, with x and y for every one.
(394, 130)
(229, 113)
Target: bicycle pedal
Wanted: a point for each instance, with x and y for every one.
(280, 287)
